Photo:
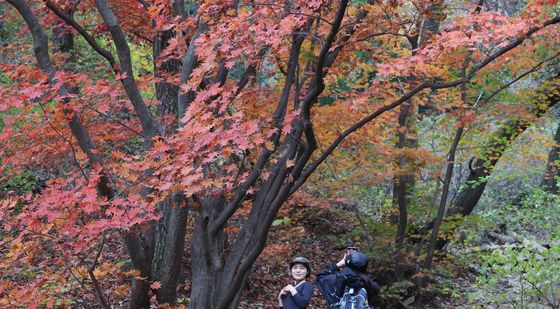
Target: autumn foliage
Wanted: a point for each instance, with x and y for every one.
(256, 97)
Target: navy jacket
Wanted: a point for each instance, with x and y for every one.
(301, 299)
(332, 281)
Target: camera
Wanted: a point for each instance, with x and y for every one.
(350, 250)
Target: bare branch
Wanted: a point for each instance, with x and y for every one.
(533, 69)
(74, 157)
(97, 288)
(98, 292)
(110, 118)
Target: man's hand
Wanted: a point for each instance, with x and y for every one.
(342, 262)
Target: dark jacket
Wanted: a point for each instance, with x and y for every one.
(331, 282)
(301, 299)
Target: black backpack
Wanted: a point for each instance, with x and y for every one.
(352, 299)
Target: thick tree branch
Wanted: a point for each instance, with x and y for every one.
(273, 201)
(282, 106)
(91, 41)
(40, 41)
(279, 114)
(250, 71)
(240, 193)
(317, 80)
(190, 61)
(307, 172)
(332, 54)
(149, 125)
(179, 8)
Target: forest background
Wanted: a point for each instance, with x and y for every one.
(179, 153)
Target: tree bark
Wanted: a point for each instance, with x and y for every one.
(79, 131)
(64, 40)
(447, 181)
(221, 269)
(140, 249)
(147, 248)
(443, 200)
(481, 168)
(149, 126)
(547, 96)
(404, 180)
(166, 93)
(169, 247)
(3, 32)
(551, 174)
(170, 230)
(206, 256)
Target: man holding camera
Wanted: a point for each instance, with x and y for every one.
(347, 284)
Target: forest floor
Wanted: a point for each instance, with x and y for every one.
(320, 232)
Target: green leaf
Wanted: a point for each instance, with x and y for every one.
(278, 222)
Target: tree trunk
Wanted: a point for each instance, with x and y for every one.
(206, 257)
(64, 40)
(443, 200)
(170, 230)
(162, 258)
(157, 254)
(140, 250)
(446, 184)
(220, 269)
(551, 174)
(481, 168)
(166, 93)
(4, 32)
(404, 179)
(169, 247)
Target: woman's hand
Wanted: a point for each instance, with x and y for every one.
(280, 295)
(289, 289)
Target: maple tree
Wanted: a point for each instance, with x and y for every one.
(226, 118)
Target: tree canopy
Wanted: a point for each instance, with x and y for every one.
(128, 127)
